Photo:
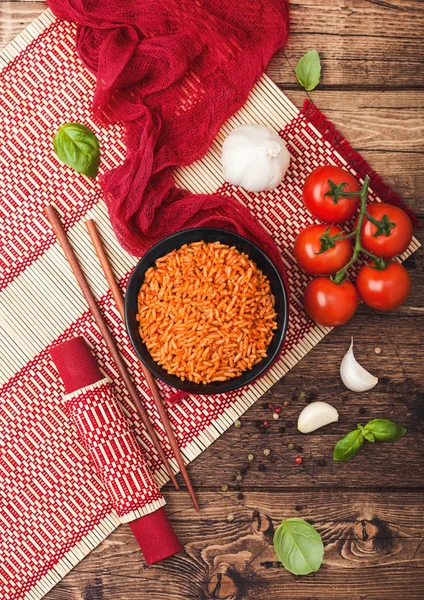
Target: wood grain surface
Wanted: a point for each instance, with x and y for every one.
(369, 511)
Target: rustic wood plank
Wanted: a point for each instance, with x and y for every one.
(373, 549)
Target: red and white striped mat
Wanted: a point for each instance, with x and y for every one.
(53, 507)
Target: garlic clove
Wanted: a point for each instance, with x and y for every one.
(316, 415)
(353, 375)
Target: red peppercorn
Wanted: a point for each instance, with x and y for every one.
(265, 423)
(271, 405)
(298, 460)
(278, 410)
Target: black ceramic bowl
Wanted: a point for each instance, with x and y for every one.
(207, 235)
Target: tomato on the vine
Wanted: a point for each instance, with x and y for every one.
(383, 289)
(311, 240)
(322, 205)
(329, 303)
(392, 237)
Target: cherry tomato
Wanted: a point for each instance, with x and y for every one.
(328, 303)
(323, 207)
(308, 245)
(383, 290)
(395, 241)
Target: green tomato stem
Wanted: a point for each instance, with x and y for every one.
(357, 250)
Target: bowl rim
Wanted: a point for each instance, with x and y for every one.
(172, 380)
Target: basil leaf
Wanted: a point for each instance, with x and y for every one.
(298, 546)
(384, 430)
(308, 70)
(348, 446)
(78, 148)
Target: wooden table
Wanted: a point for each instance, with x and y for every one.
(369, 511)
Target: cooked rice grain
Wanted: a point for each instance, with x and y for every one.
(206, 312)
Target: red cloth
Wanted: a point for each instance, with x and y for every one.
(173, 71)
(78, 368)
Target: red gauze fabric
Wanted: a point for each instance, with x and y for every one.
(173, 71)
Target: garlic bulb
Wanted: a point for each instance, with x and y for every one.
(316, 415)
(355, 377)
(255, 158)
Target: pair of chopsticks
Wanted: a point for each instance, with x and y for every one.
(61, 236)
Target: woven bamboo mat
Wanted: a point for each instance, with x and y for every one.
(53, 509)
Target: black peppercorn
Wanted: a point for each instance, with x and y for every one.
(265, 405)
(282, 429)
(298, 507)
(258, 423)
(294, 397)
(233, 478)
(267, 564)
(299, 448)
(321, 462)
(240, 496)
(237, 488)
(263, 429)
(289, 423)
(312, 396)
(362, 410)
(261, 467)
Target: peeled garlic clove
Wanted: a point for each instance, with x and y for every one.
(316, 415)
(353, 375)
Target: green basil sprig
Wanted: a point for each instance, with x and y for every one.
(298, 546)
(78, 148)
(308, 70)
(377, 430)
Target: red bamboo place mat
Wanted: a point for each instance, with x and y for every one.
(53, 508)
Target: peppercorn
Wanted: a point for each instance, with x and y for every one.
(377, 350)
(273, 459)
(312, 396)
(263, 429)
(224, 488)
(278, 410)
(267, 564)
(289, 423)
(261, 467)
(290, 446)
(321, 462)
(230, 518)
(271, 405)
(299, 448)
(250, 457)
(282, 429)
(298, 460)
(362, 410)
(233, 478)
(267, 452)
(286, 403)
(265, 405)
(294, 397)
(297, 507)
(239, 478)
(240, 496)
(237, 424)
(244, 469)
(275, 564)
(302, 395)
(275, 416)
(237, 488)
(258, 423)
(265, 423)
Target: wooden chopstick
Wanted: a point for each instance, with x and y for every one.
(151, 382)
(60, 233)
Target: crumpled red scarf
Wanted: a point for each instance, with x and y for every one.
(173, 71)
